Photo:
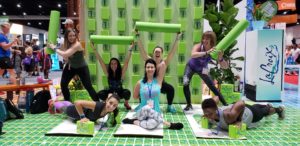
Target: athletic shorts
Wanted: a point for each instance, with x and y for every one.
(5, 63)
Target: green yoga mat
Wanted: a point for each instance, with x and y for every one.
(230, 38)
(121, 40)
(53, 29)
(157, 27)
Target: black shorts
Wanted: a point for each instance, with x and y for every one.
(5, 63)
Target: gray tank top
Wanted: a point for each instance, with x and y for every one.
(77, 60)
(246, 118)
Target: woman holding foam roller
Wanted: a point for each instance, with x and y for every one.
(148, 90)
(115, 74)
(158, 57)
(199, 64)
(238, 113)
(73, 52)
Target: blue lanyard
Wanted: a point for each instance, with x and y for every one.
(149, 89)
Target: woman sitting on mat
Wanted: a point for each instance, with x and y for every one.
(148, 89)
(115, 74)
(166, 88)
(199, 64)
(238, 113)
(73, 53)
(93, 110)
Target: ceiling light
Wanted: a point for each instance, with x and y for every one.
(28, 23)
(59, 5)
(19, 5)
(0, 6)
(24, 13)
(40, 6)
(285, 12)
(74, 13)
(297, 23)
(3, 13)
(40, 23)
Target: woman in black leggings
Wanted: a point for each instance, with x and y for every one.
(73, 53)
(115, 74)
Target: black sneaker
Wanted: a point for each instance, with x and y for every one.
(176, 126)
(188, 107)
(128, 121)
(281, 113)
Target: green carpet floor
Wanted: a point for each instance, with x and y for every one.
(31, 130)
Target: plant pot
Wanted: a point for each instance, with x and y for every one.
(258, 25)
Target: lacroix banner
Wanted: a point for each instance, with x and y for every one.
(284, 18)
(286, 5)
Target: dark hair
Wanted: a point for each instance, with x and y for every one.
(116, 111)
(161, 48)
(209, 103)
(118, 71)
(150, 60)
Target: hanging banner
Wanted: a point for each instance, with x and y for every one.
(286, 5)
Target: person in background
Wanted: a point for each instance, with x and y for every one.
(115, 75)
(5, 52)
(17, 58)
(29, 61)
(36, 55)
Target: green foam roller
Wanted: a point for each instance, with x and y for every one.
(53, 29)
(236, 96)
(233, 131)
(157, 27)
(85, 128)
(230, 37)
(102, 39)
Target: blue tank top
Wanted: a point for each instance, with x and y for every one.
(197, 64)
(149, 91)
(4, 53)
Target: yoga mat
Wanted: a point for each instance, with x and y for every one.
(54, 24)
(137, 131)
(157, 27)
(68, 128)
(103, 39)
(230, 38)
(200, 132)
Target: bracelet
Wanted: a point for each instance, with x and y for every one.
(82, 116)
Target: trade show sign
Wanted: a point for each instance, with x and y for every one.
(270, 58)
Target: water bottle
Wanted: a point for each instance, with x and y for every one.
(22, 103)
(3, 111)
(242, 87)
(29, 96)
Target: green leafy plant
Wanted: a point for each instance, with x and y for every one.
(222, 22)
(76, 84)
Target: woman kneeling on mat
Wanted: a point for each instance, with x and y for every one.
(115, 74)
(73, 53)
(93, 110)
(199, 64)
(238, 113)
(148, 89)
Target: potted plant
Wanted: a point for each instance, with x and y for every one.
(222, 22)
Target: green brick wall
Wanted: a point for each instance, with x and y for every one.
(117, 17)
